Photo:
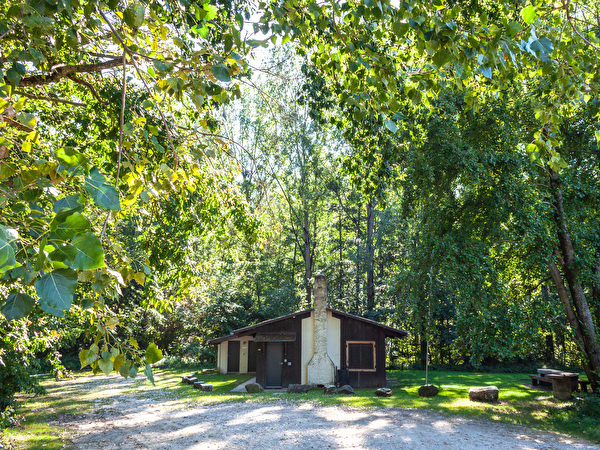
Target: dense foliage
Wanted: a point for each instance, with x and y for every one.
(437, 160)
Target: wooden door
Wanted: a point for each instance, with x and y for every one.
(251, 356)
(274, 360)
(233, 356)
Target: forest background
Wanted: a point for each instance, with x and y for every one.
(437, 161)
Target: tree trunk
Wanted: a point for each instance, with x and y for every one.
(294, 263)
(307, 259)
(357, 280)
(573, 300)
(370, 256)
(341, 261)
(596, 287)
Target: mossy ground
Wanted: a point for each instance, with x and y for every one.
(518, 404)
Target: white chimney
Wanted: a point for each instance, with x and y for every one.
(321, 369)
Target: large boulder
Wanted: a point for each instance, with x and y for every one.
(488, 394)
(383, 392)
(329, 389)
(253, 388)
(428, 390)
(198, 384)
(192, 380)
(298, 388)
(346, 389)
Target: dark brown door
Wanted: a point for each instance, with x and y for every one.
(274, 364)
(251, 356)
(233, 356)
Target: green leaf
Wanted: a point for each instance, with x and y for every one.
(17, 306)
(513, 28)
(64, 254)
(90, 254)
(8, 239)
(69, 156)
(148, 373)
(69, 202)
(390, 125)
(26, 119)
(441, 58)
(134, 15)
(211, 11)
(87, 357)
(73, 225)
(55, 290)
(529, 14)
(153, 354)
(106, 366)
(400, 28)
(103, 194)
(86, 303)
(118, 362)
(486, 71)
(125, 369)
(221, 73)
(531, 148)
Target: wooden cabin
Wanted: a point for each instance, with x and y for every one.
(309, 347)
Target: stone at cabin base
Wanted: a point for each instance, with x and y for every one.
(207, 387)
(383, 392)
(487, 394)
(329, 389)
(428, 390)
(346, 389)
(253, 388)
(298, 388)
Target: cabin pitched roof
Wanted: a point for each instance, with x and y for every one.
(252, 329)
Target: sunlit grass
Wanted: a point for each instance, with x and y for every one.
(518, 404)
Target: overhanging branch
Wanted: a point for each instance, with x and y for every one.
(59, 72)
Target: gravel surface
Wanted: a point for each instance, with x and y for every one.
(133, 421)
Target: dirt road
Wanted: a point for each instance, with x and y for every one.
(134, 421)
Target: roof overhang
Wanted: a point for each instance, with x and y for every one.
(254, 330)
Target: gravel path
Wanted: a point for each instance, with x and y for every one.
(150, 423)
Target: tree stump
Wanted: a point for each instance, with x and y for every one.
(428, 390)
(488, 394)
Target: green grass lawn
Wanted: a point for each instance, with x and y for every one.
(518, 404)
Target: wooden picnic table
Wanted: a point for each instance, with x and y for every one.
(565, 382)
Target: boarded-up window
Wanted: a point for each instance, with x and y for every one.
(360, 356)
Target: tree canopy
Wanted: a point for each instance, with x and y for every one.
(469, 148)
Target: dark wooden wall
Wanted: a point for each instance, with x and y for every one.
(355, 330)
(292, 351)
